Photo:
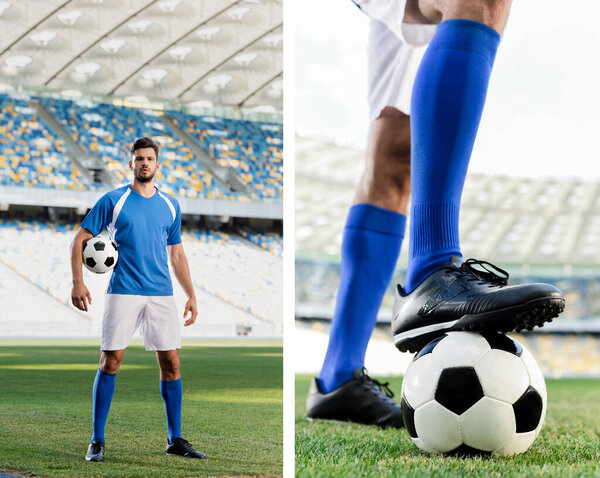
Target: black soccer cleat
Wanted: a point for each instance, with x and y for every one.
(457, 296)
(95, 451)
(181, 447)
(360, 400)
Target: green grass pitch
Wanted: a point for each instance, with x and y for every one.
(568, 446)
(232, 410)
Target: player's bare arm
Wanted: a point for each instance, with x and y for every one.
(182, 272)
(80, 295)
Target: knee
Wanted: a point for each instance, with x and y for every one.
(170, 369)
(109, 363)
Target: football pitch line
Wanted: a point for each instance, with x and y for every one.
(568, 445)
(232, 410)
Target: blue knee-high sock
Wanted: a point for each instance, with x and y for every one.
(447, 102)
(370, 248)
(172, 392)
(104, 388)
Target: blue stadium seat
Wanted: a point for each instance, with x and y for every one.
(252, 149)
(109, 131)
(31, 154)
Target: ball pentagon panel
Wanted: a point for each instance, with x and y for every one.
(458, 389)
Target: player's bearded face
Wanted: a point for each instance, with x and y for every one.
(144, 164)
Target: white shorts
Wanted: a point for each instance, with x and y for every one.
(394, 53)
(155, 315)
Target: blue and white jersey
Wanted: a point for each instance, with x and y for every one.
(142, 228)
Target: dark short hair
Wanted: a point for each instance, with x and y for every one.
(145, 143)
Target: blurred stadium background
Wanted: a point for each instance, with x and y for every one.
(538, 229)
(79, 81)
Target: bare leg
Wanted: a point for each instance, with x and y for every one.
(385, 181)
(168, 361)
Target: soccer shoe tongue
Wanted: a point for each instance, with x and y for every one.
(456, 261)
(359, 373)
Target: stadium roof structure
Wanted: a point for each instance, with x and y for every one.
(205, 53)
(506, 220)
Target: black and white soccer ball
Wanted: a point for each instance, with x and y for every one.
(100, 255)
(468, 393)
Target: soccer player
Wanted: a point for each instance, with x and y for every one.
(145, 223)
(424, 157)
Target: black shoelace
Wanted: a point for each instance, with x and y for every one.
(186, 444)
(488, 273)
(379, 387)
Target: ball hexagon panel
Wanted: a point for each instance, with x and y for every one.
(499, 421)
(528, 411)
(420, 381)
(460, 349)
(458, 389)
(519, 443)
(438, 427)
(503, 376)
(503, 342)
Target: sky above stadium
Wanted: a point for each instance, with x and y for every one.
(543, 111)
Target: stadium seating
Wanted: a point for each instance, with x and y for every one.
(270, 241)
(254, 150)
(240, 275)
(568, 355)
(31, 154)
(108, 131)
(223, 266)
(503, 219)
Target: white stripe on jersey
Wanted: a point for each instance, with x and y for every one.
(112, 230)
(170, 204)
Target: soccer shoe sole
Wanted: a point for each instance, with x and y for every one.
(511, 319)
